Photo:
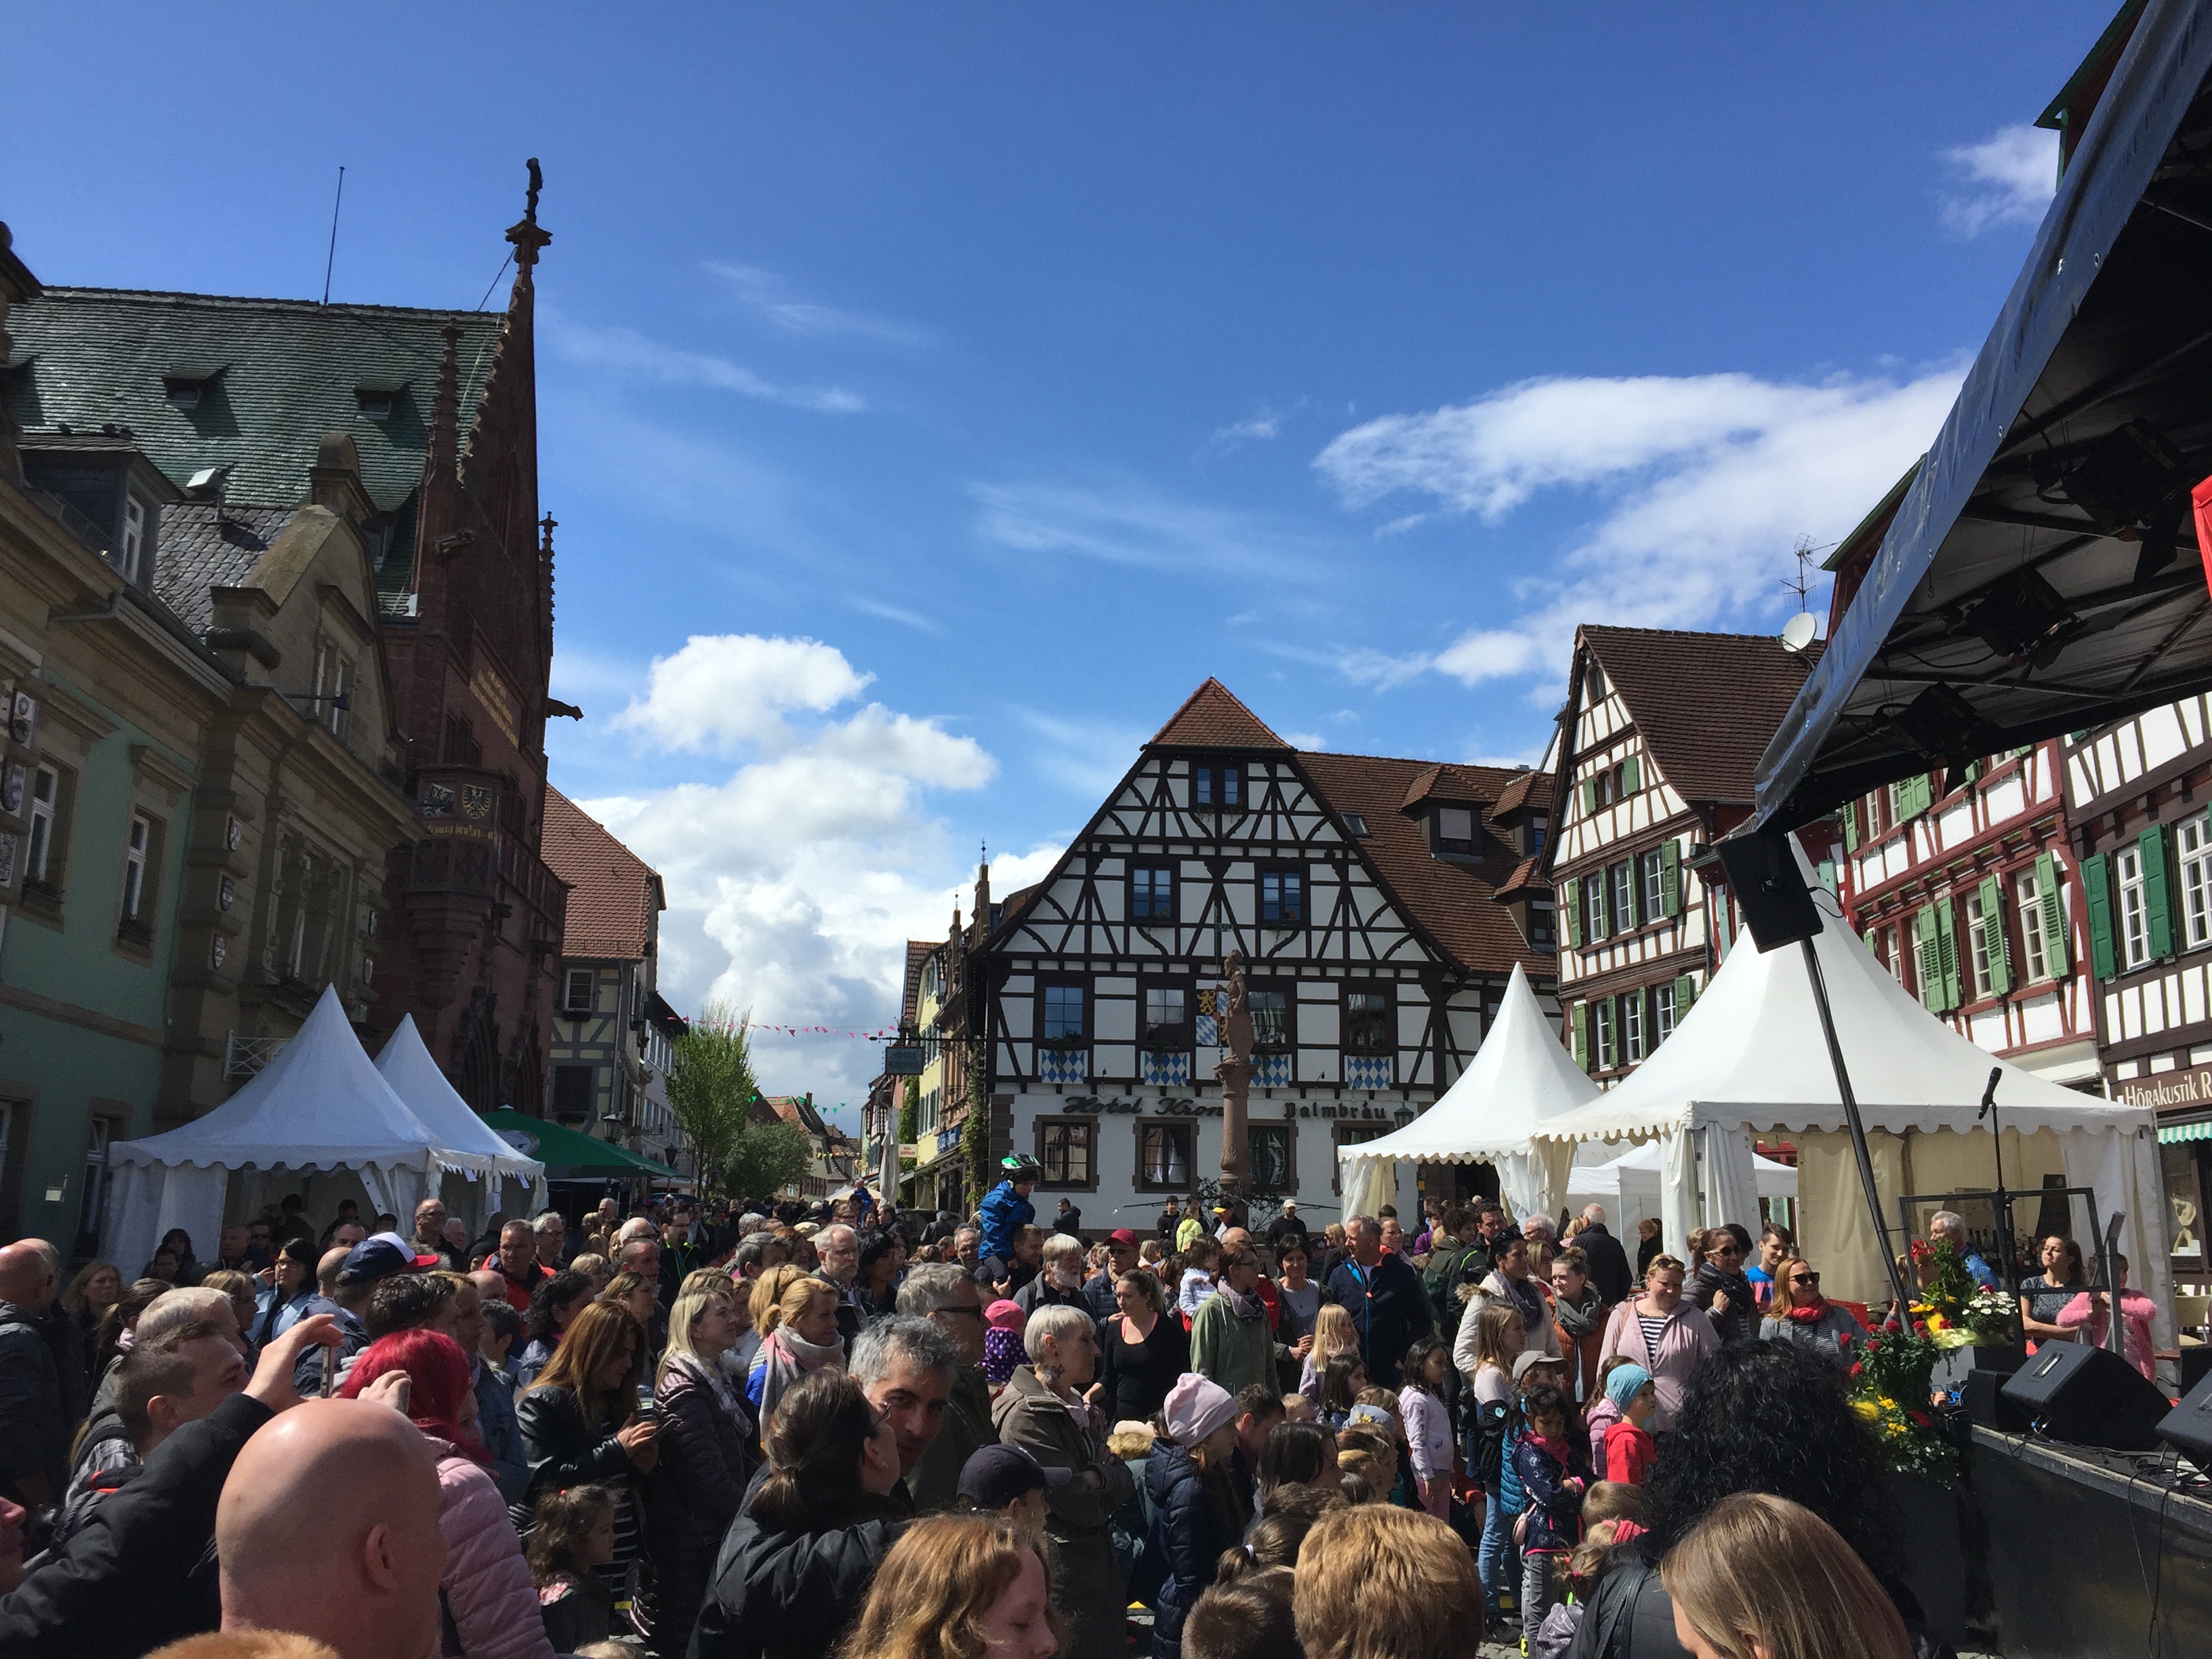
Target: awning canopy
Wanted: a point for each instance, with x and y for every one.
(2041, 575)
(404, 1063)
(1520, 1078)
(1639, 1169)
(561, 1148)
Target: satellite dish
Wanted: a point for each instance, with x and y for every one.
(1797, 632)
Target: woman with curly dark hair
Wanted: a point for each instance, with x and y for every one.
(1758, 1417)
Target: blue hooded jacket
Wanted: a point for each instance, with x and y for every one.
(1005, 1213)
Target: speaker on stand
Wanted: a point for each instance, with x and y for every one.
(2088, 1397)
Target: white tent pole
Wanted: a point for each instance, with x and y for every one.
(1857, 1128)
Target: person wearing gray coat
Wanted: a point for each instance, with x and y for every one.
(1042, 1410)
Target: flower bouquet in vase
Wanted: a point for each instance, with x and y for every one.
(1971, 1325)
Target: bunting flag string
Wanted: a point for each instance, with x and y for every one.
(883, 1036)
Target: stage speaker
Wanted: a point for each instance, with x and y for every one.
(1983, 1395)
(2088, 1397)
(2188, 1426)
(1763, 875)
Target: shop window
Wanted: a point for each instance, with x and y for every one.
(1165, 1157)
(1067, 1147)
(1274, 1167)
(2184, 1204)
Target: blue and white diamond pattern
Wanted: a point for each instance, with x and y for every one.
(1064, 1064)
(1272, 1071)
(1367, 1071)
(1171, 1069)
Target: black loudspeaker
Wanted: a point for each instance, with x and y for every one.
(1984, 1397)
(2188, 1426)
(1764, 875)
(2088, 1397)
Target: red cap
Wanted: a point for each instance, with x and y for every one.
(1122, 1236)
(433, 1260)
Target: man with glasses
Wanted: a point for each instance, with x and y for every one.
(1720, 1287)
(904, 1364)
(947, 1296)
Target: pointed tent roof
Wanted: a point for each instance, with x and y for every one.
(1750, 1054)
(1210, 718)
(1519, 1079)
(318, 1105)
(405, 1064)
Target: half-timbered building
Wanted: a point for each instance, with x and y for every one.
(1658, 743)
(2136, 795)
(1374, 903)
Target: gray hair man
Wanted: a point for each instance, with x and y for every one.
(1949, 1227)
(905, 1365)
(1059, 1283)
(946, 1295)
(550, 1234)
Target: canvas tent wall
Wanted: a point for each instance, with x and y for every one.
(1520, 1078)
(1750, 1058)
(404, 1063)
(320, 1105)
(1628, 1186)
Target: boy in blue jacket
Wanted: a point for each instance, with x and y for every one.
(1553, 1467)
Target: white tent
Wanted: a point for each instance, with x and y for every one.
(1750, 1058)
(1520, 1078)
(1628, 1186)
(404, 1063)
(318, 1105)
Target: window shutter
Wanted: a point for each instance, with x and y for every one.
(2097, 899)
(1974, 770)
(1928, 960)
(1631, 775)
(1828, 876)
(1914, 796)
(1582, 1034)
(1993, 930)
(1869, 936)
(2158, 908)
(1601, 903)
(1571, 905)
(1685, 992)
(1590, 796)
(1850, 826)
(1670, 876)
(2056, 944)
(1947, 940)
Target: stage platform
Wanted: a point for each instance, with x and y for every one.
(2077, 1554)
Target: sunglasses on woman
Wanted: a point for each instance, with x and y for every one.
(1804, 1278)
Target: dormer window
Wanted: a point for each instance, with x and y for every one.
(184, 391)
(1218, 786)
(132, 546)
(1455, 829)
(376, 402)
(1356, 823)
(1537, 826)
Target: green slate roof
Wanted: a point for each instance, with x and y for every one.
(281, 373)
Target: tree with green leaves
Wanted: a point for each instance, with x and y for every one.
(764, 1158)
(711, 1088)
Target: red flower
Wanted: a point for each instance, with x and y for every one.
(1920, 1418)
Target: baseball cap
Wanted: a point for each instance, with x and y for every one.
(994, 1476)
(377, 1256)
(1532, 1358)
(1122, 1236)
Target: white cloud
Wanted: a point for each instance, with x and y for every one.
(792, 882)
(764, 292)
(1086, 757)
(1265, 424)
(725, 690)
(1703, 485)
(627, 351)
(2008, 178)
(912, 619)
(1138, 526)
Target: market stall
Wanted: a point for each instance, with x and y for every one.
(405, 1062)
(320, 1105)
(1628, 1186)
(1750, 1059)
(1520, 1078)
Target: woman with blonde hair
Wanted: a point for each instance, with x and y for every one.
(97, 1287)
(1377, 1582)
(1334, 1335)
(1799, 1314)
(1823, 1604)
(959, 1587)
(798, 1337)
(698, 1483)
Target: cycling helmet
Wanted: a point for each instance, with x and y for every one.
(1017, 1164)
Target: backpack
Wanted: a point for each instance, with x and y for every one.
(1490, 1421)
(1448, 1268)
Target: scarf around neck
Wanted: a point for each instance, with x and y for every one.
(1247, 1307)
(786, 1357)
(1578, 1319)
(1811, 1314)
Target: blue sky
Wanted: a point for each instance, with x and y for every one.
(931, 397)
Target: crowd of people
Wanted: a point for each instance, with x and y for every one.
(777, 1432)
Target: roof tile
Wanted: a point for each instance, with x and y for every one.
(615, 895)
(1706, 705)
(1212, 719)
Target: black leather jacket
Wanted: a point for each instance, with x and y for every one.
(561, 1448)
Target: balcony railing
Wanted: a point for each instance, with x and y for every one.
(492, 865)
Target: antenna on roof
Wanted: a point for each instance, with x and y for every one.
(331, 263)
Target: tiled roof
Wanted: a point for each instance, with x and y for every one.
(196, 554)
(797, 1109)
(1529, 789)
(1527, 877)
(917, 952)
(1705, 704)
(614, 893)
(1447, 783)
(1212, 719)
(1451, 898)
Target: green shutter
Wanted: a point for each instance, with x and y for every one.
(1947, 941)
(2158, 908)
(1872, 938)
(1828, 876)
(1670, 876)
(1590, 796)
(1631, 775)
(1685, 992)
(1602, 905)
(1928, 959)
(1914, 796)
(1974, 770)
(1571, 905)
(1582, 1034)
(2097, 899)
(2055, 943)
(1993, 931)
(1851, 816)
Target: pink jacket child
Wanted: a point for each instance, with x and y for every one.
(1600, 1414)
(2137, 1311)
(1429, 1443)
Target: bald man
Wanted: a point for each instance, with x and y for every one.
(328, 1528)
(35, 1432)
(136, 1575)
